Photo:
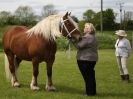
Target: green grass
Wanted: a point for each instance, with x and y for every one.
(68, 80)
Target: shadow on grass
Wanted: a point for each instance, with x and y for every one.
(59, 89)
(76, 91)
(115, 95)
(68, 89)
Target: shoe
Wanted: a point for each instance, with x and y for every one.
(127, 78)
(122, 77)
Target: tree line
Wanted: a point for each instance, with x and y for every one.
(109, 20)
(25, 15)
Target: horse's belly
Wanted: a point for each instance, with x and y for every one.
(22, 55)
(21, 52)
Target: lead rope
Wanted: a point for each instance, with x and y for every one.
(68, 49)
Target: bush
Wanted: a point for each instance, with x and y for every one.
(61, 43)
(105, 41)
(1, 44)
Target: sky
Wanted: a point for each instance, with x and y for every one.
(76, 7)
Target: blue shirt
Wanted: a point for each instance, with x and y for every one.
(123, 47)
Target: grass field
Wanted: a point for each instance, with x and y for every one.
(68, 81)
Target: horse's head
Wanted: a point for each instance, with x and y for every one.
(69, 28)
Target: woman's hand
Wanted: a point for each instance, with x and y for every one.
(72, 40)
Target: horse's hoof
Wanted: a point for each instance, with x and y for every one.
(16, 84)
(50, 88)
(35, 88)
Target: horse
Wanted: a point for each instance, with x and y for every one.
(37, 45)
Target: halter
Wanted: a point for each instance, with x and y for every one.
(63, 24)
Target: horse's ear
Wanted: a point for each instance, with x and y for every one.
(66, 14)
(69, 13)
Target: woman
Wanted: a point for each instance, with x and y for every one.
(123, 49)
(87, 57)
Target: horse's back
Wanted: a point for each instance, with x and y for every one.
(11, 33)
(13, 30)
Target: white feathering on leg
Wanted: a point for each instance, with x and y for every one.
(7, 70)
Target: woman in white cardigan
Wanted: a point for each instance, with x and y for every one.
(122, 52)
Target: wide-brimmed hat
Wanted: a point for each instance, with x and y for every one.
(121, 33)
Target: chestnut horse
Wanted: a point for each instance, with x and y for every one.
(37, 45)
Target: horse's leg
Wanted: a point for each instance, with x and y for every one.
(33, 84)
(17, 62)
(49, 83)
(12, 67)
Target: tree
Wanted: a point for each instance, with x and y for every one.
(48, 10)
(127, 22)
(81, 25)
(130, 25)
(89, 15)
(75, 19)
(4, 17)
(108, 19)
(96, 20)
(25, 15)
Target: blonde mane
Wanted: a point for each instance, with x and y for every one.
(49, 27)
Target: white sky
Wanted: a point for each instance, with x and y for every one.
(76, 7)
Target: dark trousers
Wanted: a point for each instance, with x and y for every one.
(88, 73)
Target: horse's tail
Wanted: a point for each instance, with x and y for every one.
(7, 70)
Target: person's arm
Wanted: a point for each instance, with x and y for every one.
(116, 44)
(85, 42)
(128, 47)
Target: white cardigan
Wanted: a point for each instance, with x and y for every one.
(123, 47)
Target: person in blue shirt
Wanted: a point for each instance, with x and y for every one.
(122, 52)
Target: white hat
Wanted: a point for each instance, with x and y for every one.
(121, 33)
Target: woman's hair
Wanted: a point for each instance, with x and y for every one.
(93, 30)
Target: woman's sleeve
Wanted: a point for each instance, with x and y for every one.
(128, 47)
(84, 43)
